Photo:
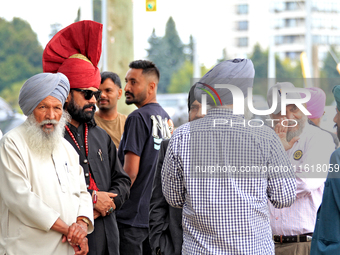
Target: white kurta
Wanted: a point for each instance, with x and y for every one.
(34, 192)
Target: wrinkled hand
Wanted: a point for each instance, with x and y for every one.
(104, 202)
(96, 214)
(82, 249)
(281, 131)
(76, 234)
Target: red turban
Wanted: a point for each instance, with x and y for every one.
(75, 51)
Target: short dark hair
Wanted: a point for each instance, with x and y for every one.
(147, 66)
(113, 76)
(191, 97)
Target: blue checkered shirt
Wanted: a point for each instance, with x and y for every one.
(225, 210)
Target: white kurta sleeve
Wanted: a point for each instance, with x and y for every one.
(85, 206)
(15, 190)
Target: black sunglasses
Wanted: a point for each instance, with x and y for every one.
(88, 94)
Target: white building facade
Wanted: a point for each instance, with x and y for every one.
(293, 27)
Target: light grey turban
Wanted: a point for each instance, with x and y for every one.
(237, 72)
(40, 86)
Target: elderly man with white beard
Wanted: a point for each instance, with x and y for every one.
(44, 205)
(309, 149)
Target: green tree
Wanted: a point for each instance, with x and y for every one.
(156, 48)
(20, 52)
(329, 65)
(181, 80)
(189, 49)
(11, 94)
(259, 58)
(286, 70)
(167, 53)
(329, 75)
(78, 15)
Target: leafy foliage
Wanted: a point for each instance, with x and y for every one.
(78, 15)
(329, 75)
(168, 53)
(286, 70)
(20, 52)
(11, 94)
(329, 67)
(181, 80)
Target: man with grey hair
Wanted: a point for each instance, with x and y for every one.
(207, 171)
(309, 149)
(44, 205)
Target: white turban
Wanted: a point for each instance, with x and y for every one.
(40, 86)
(238, 72)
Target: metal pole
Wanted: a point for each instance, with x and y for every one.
(308, 39)
(104, 42)
(271, 54)
(197, 68)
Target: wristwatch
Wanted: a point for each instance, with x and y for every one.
(86, 220)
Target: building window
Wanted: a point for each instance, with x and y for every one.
(242, 25)
(290, 23)
(325, 6)
(293, 55)
(242, 9)
(325, 39)
(278, 39)
(242, 42)
(288, 39)
(291, 6)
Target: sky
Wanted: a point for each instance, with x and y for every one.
(202, 19)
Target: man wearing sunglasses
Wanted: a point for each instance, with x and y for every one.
(75, 51)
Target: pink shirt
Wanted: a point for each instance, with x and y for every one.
(312, 151)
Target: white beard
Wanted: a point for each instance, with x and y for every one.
(42, 143)
(291, 134)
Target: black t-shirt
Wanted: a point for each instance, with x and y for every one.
(143, 133)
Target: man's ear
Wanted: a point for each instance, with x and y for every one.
(120, 93)
(152, 87)
(68, 99)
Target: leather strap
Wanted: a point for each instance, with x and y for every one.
(293, 239)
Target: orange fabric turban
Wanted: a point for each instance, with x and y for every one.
(75, 51)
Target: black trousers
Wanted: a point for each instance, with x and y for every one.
(133, 241)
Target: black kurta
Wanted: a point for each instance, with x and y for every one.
(165, 221)
(109, 176)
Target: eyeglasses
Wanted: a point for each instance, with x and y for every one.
(88, 94)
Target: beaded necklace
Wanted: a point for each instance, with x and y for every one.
(93, 184)
(75, 141)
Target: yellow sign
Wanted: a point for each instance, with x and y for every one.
(298, 154)
(151, 5)
(338, 67)
(306, 72)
